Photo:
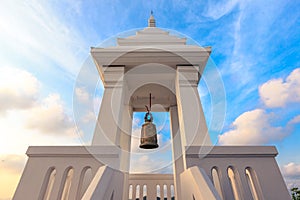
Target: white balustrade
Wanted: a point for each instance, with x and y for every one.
(146, 185)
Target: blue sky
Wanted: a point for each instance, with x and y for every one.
(44, 44)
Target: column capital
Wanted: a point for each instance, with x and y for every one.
(188, 75)
(113, 76)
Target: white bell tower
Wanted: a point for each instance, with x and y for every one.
(152, 61)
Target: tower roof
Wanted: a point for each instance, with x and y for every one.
(150, 45)
(151, 35)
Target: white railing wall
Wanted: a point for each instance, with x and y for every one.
(60, 172)
(195, 184)
(240, 172)
(141, 185)
(67, 172)
(106, 184)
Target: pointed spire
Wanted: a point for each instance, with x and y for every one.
(151, 20)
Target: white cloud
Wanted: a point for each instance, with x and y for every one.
(97, 100)
(291, 174)
(82, 95)
(291, 170)
(252, 128)
(18, 89)
(41, 121)
(17, 136)
(279, 92)
(49, 117)
(160, 158)
(20, 94)
(295, 120)
(146, 164)
(89, 117)
(12, 163)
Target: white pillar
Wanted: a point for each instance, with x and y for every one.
(107, 128)
(178, 164)
(125, 145)
(115, 120)
(134, 191)
(192, 122)
(124, 140)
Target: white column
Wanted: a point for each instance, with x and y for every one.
(124, 141)
(192, 123)
(107, 128)
(161, 189)
(168, 191)
(151, 190)
(178, 164)
(115, 119)
(125, 144)
(134, 191)
(141, 191)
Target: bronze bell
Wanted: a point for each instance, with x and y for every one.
(148, 133)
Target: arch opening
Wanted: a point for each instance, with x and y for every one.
(48, 183)
(137, 193)
(86, 177)
(252, 183)
(172, 191)
(216, 180)
(158, 192)
(130, 191)
(144, 192)
(67, 184)
(165, 191)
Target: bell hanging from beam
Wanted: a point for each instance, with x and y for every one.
(148, 132)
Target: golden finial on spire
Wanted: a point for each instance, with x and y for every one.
(151, 21)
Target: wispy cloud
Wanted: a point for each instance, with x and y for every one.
(252, 41)
(32, 32)
(217, 9)
(257, 53)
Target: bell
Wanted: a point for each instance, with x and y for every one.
(148, 133)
